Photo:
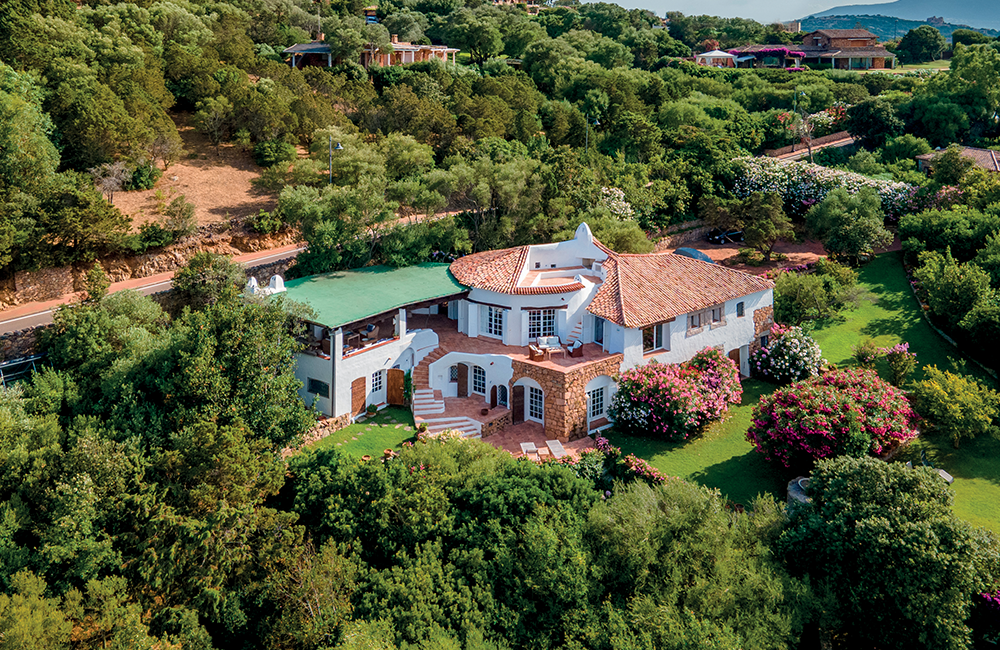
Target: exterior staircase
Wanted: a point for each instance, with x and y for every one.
(575, 334)
(429, 406)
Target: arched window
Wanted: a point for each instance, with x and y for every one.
(502, 395)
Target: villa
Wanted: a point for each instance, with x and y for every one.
(847, 49)
(531, 336)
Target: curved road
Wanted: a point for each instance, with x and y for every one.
(40, 313)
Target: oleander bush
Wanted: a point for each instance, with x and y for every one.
(790, 355)
(674, 401)
(848, 412)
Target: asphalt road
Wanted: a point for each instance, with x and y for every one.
(45, 317)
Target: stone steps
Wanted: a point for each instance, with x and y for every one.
(468, 427)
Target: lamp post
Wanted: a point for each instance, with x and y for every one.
(330, 151)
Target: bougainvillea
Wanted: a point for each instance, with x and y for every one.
(790, 355)
(674, 401)
(847, 412)
(801, 184)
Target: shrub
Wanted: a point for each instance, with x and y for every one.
(846, 412)
(790, 355)
(801, 296)
(605, 466)
(271, 152)
(902, 362)
(957, 405)
(266, 222)
(675, 401)
(865, 353)
(143, 177)
(180, 217)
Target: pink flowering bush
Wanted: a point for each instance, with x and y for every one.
(846, 412)
(790, 355)
(674, 401)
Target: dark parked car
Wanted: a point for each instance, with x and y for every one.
(720, 236)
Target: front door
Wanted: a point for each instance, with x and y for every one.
(517, 404)
(394, 386)
(734, 354)
(358, 393)
(463, 380)
(493, 397)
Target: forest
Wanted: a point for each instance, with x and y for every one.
(149, 493)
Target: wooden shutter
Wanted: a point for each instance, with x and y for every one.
(517, 404)
(463, 380)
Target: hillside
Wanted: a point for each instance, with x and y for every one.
(979, 13)
(886, 27)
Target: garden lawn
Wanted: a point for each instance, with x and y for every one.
(386, 430)
(720, 458)
(896, 318)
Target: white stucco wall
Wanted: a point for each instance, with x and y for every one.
(406, 352)
(498, 367)
(736, 333)
(309, 366)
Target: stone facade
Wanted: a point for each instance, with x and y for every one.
(497, 425)
(763, 319)
(565, 393)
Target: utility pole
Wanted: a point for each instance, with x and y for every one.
(339, 147)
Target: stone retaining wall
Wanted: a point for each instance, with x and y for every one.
(320, 430)
(497, 425)
(20, 344)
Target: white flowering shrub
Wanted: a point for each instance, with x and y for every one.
(802, 184)
(789, 356)
(613, 199)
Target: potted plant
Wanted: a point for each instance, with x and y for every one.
(372, 409)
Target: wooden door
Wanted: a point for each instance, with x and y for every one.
(358, 393)
(734, 354)
(463, 380)
(517, 404)
(394, 386)
(493, 397)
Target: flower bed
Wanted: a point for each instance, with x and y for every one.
(675, 401)
(801, 184)
(846, 412)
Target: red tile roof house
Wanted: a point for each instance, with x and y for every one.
(533, 334)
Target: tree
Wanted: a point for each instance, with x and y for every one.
(207, 278)
(764, 222)
(476, 32)
(850, 225)
(28, 160)
(214, 118)
(893, 565)
(922, 44)
(110, 178)
(968, 37)
(957, 405)
(950, 166)
(873, 122)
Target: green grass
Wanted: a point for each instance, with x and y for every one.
(387, 430)
(722, 458)
(940, 64)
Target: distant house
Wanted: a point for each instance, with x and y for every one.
(529, 336)
(716, 59)
(846, 49)
(319, 53)
(530, 6)
(983, 158)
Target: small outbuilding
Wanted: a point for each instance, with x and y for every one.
(716, 59)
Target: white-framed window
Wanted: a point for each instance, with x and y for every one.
(541, 322)
(491, 320)
(453, 373)
(653, 338)
(377, 381)
(478, 380)
(317, 387)
(595, 403)
(536, 403)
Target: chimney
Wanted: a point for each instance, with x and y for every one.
(395, 38)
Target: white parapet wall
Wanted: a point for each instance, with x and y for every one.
(498, 367)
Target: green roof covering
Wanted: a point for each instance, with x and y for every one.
(344, 297)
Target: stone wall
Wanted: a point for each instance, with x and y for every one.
(320, 430)
(682, 233)
(565, 393)
(20, 344)
(44, 284)
(763, 319)
(497, 425)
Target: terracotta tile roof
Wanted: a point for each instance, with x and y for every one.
(985, 158)
(500, 270)
(641, 290)
(845, 33)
